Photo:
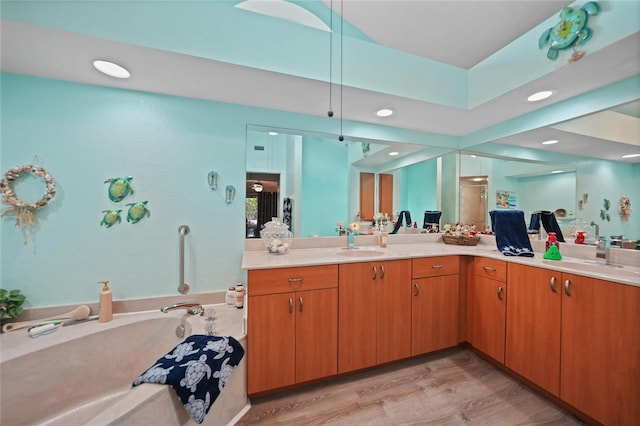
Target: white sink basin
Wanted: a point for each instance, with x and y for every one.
(355, 252)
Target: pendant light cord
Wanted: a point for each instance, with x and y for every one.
(341, 137)
(330, 112)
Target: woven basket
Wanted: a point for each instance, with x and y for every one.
(461, 240)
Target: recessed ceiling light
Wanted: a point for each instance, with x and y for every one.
(273, 133)
(385, 112)
(473, 156)
(631, 156)
(556, 171)
(550, 142)
(540, 96)
(111, 69)
(392, 153)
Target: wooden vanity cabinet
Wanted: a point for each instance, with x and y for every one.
(600, 349)
(532, 347)
(434, 304)
(293, 326)
(487, 306)
(375, 313)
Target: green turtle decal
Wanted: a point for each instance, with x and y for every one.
(110, 218)
(137, 211)
(119, 188)
(570, 32)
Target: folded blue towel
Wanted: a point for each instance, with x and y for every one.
(510, 230)
(197, 369)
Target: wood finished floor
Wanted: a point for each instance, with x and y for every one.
(455, 387)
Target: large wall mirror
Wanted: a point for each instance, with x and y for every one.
(317, 180)
(313, 181)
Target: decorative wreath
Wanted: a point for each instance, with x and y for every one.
(23, 210)
(625, 208)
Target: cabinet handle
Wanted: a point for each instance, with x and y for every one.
(500, 293)
(437, 266)
(375, 273)
(566, 287)
(417, 287)
(290, 305)
(489, 269)
(301, 304)
(552, 283)
(295, 280)
(381, 271)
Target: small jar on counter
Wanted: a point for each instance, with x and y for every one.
(239, 296)
(230, 296)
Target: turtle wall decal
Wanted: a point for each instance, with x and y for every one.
(119, 188)
(571, 32)
(137, 211)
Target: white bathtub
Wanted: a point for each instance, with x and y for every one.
(82, 374)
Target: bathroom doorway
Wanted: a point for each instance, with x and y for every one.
(262, 201)
(473, 201)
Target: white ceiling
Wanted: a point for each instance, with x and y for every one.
(460, 33)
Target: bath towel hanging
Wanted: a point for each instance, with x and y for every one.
(510, 230)
(431, 217)
(404, 214)
(549, 223)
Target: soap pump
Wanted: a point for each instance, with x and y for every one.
(106, 303)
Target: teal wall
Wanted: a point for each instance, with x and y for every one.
(419, 189)
(84, 135)
(325, 185)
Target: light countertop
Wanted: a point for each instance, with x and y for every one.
(576, 259)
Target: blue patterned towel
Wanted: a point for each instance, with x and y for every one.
(197, 369)
(510, 229)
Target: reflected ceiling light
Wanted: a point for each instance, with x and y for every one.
(540, 96)
(556, 171)
(631, 156)
(392, 153)
(384, 112)
(111, 69)
(284, 10)
(257, 187)
(473, 156)
(273, 133)
(478, 179)
(550, 142)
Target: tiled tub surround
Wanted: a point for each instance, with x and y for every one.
(576, 258)
(82, 374)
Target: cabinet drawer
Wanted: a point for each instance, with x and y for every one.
(490, 268)
(435, 266)
(282, 280)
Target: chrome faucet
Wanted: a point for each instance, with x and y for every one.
(602, 251)
(194, 308)
(597, 236)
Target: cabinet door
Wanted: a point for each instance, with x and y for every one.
(358, 295)
(316, 334)
(600, 373)
(271, 342)
(367, 195)
(434, 314)
(385, 193)
(394, 310)
(488, 307)
(533, 325)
